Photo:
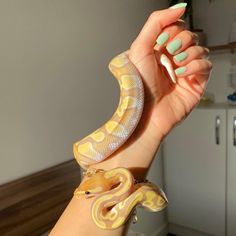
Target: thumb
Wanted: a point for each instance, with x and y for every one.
(156, 22)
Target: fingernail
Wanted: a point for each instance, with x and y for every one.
(179, 5)
(174, 46)
(180, 70)
(181, 56)
(162, 38)
(207, 49)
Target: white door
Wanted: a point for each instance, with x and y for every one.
(231, 164)
(195, 172)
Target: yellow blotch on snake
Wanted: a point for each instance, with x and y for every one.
(118, 222)
(87, 150)
(150, 195)
(120, 60)
(128, 81)
(127, 102)
(113, 127)
(97, 136)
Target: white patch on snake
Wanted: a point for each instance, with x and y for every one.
(98, 157)
(134, 121)
(139, 82)
(139, 106)
(124, 134)
(113, 146)
(139, 103)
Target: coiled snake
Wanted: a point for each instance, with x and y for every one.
(115, 192)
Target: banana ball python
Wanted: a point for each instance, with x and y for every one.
(115, 192)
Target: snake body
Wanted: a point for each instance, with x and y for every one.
(117, 195)
(115, 192)
(104, 141)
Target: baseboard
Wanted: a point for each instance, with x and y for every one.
(184, 231)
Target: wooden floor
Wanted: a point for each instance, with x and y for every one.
(31, 205)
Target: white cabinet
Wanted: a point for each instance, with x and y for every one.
(231, 173)
(195, 173)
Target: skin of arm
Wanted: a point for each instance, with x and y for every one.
(166, 104)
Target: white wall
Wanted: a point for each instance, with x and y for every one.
(55, 86)
(216, 20)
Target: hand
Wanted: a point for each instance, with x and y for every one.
(170, 102)
(166, 104)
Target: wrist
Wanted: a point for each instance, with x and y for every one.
(136, 154)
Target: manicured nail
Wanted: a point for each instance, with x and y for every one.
(174, 46)
(207, 49)
(180, 70)
(181, 56)
(162, 38)
(179, 5)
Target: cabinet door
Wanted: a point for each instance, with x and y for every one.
(231, 173)
(195, 172)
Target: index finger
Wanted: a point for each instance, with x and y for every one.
(156, 22)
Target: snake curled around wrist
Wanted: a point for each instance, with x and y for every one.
(114, 191)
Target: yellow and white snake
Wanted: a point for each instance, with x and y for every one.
(115, 192)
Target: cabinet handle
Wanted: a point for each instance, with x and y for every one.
(234, 131)
(217, 130)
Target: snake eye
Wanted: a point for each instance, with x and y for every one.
(87, 192)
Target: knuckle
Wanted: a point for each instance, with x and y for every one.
(135, 47)
(206, 50)
(190, 36)
(154, 15)
(203, 64)
(202, 50)
(195, 38)
(182, 24)
(198, 49)
(210, 65)
(198, 65)
(194, 35)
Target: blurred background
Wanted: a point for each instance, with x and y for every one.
(56, 88)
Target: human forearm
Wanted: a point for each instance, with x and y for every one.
(138, 152)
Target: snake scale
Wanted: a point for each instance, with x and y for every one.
(115, 191)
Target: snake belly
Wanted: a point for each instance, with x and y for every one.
(114, 191)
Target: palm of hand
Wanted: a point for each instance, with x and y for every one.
(166, 103)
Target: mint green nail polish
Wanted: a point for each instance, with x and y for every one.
(179, 5)
(181, 56)
(163, 37)
(174, 46)
(180, 70)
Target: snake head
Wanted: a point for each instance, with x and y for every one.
(92, 186)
